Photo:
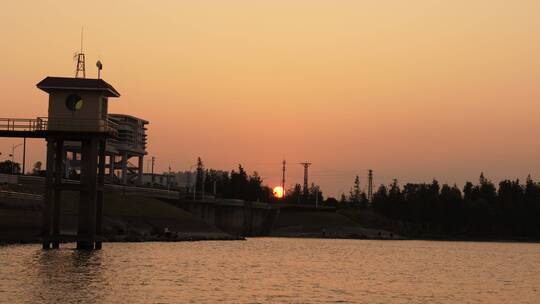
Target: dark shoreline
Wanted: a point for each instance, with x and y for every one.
(163, 239)
(136, 240)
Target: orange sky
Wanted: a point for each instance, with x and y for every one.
(412, 89)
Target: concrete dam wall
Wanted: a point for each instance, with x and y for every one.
(235, 217)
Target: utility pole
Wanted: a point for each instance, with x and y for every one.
(13, 147)
(370, 186)
(306, 189)
(169, 180)
(153, 163)
(356, 193)
(283, 177)
(202, 186)
(24, 156)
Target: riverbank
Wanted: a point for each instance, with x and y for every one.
(127, 218)
(370, 219)
(312, 223)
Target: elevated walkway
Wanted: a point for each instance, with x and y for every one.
(42, 127)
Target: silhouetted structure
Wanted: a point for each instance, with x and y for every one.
(81, 66)
(77, 112)
(283, 176)
(305, 188)
(370, 186)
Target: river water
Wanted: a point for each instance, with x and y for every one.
(274, 270)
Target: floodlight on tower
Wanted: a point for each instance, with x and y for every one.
(99, 65)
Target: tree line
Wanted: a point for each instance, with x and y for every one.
(512, 209)
(236, 184)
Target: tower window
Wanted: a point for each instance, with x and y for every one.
(74, 102)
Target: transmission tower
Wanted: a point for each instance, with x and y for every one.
(80, 60)
(283, 177)
(370, 186)
(306, 190)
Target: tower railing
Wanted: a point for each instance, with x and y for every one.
(23, 124)
(58, 124)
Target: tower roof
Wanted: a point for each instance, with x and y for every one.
(85, 84)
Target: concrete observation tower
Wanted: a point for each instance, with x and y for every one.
(77, 113)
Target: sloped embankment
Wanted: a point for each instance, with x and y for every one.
(326, 223)
(126, 218)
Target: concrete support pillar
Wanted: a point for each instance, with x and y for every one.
(87, 202)
(124, 168)
(91, 192)
(47, 198)
(58, 172)
(101, 182)
(140, 170)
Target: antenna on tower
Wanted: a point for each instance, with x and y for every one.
(80, 59)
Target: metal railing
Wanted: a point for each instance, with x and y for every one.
(56, 124)
(124, 189)
(23, 124)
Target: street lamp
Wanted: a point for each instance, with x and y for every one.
(169, 180)
(13, 147)
(188, 181)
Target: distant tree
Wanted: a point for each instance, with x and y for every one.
(294, 195)
(357, 198)
(511, 210)
(8, 167)
(487, 189)
(254, 189)
(468, 191)
(380, 200)
(239, 183)
(314, 195)
(331, 201)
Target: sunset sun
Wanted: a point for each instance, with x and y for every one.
(278, 191)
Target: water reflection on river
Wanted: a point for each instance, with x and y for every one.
(274, 270)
